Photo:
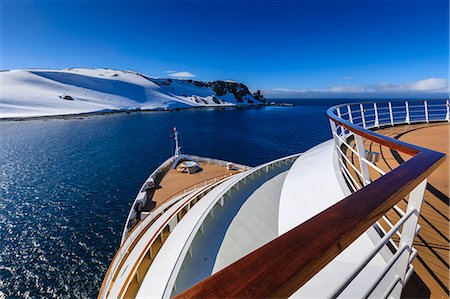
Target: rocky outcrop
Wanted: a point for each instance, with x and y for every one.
(220, 88)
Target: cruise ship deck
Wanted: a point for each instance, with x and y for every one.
(365, 214)
(176, 182)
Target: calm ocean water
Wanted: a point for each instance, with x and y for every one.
(66, 185)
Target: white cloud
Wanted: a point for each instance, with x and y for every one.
(430, 84)
(346, 89)
(420, 87)
(181, 75)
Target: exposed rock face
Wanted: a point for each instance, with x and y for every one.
(220, 88)
(258, 96)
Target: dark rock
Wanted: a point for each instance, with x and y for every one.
(67, 97)
(258, 96)
(219, 87)
(199, 83)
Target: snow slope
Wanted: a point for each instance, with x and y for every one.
(41, 92)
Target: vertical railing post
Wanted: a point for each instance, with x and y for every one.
(425, 103)
(350, 117)
(447, 115)
(407, 113)
(377, 121)
(363, 117)
(337, 142)
(339, 115)
(391, 116)
(409, 228)
(362, 154)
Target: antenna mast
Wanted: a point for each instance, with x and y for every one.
(177, 146)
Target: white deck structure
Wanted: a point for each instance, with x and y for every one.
(195, 243)
(255, 211)
(250, 209)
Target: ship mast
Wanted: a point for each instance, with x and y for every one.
(177, 146)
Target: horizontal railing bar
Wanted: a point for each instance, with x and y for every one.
(350, 163)
(409, 273)
(392, 286)
(391, 225)
(373, 166)
(389, 265)
(346, 144)
(349, 178)
(348, 172)
(383, 140)
(400, 211)
(413, 254)
(373, 252)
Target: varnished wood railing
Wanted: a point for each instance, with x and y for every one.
(283, 265)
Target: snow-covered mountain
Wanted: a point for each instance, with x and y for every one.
(43, 92)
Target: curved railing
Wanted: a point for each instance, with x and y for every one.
(188, 198)
(376, 115)
(135, 233)
(159, 172)
(142, 197)
(283, 265)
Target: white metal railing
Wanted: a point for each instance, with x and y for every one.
(137, 230)
(370, 116)
(142, 195)
(355, 170)
(217, 162)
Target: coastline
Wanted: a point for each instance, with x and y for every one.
(114, 112)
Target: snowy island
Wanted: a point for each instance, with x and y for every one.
(44, 92)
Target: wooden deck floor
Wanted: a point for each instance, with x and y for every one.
(432, 242)
(175, 182)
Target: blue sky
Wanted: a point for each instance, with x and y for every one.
(281, 47)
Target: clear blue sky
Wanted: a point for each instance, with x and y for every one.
(276, 44)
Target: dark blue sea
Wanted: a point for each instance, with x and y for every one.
(66, 185)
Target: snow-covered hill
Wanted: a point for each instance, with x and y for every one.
(43, 92)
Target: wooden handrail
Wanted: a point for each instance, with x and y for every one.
(283, 265)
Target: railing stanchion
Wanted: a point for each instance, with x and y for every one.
(447, 115)
(425, 103)
(336, 140)
(350, 117)
(362, 153)
(377, 121)
(363, 117)
(391, 116)
(407, 113)
(415, 201)
(338, 109)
